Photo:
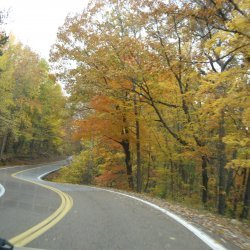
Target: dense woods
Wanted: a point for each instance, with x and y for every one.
(32, 106)
(160, 95)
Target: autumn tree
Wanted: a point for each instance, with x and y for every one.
(167, 81)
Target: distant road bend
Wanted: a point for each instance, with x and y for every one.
(39, 214)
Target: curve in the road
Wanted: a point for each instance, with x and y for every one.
(37, 230)
(203, 236)
(66, 204)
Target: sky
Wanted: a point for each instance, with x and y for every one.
(35, 22)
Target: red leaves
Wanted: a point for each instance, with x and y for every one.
(115, 176)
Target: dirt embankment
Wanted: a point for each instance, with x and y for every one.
(29, 161)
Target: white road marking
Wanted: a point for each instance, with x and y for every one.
(47, 173)
(200, 234)
(2, 190)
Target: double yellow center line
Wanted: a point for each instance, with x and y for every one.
(37, 230)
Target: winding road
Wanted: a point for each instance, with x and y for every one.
(45, 215)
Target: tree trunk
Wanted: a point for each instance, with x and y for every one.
(125, 145)
(229, 180)
(5, 137)
(148, 174)
(221, 167)
(126, 148)
(138, 147)
(172, 179)
(246, 201)
(32, 147)
(230, 174)
(204, 196)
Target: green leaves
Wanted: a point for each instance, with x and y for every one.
(33, 107)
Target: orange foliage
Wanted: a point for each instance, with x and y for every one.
(114, 176)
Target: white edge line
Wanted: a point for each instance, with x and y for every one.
(2, 190)
(201, 235)
(47, 173)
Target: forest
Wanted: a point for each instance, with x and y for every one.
(31, 105)
(157, 96)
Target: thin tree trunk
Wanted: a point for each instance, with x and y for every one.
(32, 147)
(204, 195)
(5, 137)
(138, 147)
(246, 201)
(229, 183)
(148, 169)
(221, 167)
(148, 172)
(172, 179)
(125, 145)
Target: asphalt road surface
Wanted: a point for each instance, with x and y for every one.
(96, 219)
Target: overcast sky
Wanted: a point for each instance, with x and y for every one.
(35, 22)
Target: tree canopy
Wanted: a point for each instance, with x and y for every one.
(32, 106)
(165, 83)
